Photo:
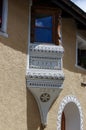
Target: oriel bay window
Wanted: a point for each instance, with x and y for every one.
(45, 23)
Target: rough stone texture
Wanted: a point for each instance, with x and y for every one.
(18, 108)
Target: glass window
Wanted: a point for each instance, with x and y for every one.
(44, 25)
(81, 52)
(43, 29)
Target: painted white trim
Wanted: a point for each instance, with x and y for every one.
(65, 101)
(3, 34)
(79, 67)
(3, 29)
(29, 23)
(76, 50)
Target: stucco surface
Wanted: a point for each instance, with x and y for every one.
(18, 108)
(13, 51)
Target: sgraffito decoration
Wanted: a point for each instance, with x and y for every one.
(65, 101)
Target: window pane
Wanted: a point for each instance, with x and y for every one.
(44, 21)
(43, 29)
(43, 35)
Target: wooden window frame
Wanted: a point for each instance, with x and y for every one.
(55, 13)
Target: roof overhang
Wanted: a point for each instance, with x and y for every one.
(68, 7)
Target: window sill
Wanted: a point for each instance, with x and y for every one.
(4, 34)
(79, 67)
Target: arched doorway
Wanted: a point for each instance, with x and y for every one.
(70, 117)
(70, 114)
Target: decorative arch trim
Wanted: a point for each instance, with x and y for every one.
(65, 101)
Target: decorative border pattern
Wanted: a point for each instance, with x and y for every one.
(43, 84)
(46, 48)
(39, 75)
(65, 101)
(41, 57)
(45, 63)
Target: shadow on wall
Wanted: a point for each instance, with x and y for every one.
(33, 115)
(17, 26)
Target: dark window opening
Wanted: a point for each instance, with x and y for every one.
(1, 5)
(82, 58)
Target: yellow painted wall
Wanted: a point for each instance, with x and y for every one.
(13, 51)
(18, 108)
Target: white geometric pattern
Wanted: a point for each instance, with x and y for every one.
(44, 76)
(44, 73)
(65, 101)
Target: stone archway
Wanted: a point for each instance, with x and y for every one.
(74, 118)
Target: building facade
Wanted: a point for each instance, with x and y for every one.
(42, 65)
